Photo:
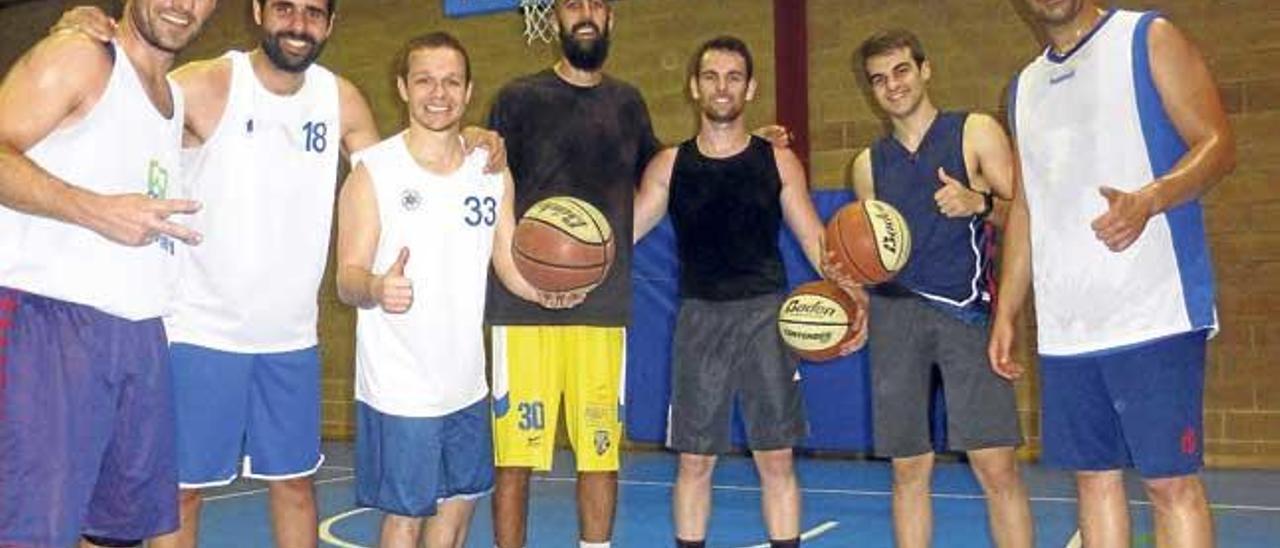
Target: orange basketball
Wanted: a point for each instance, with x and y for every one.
(816, 319)
(870, 240)
(563, 244)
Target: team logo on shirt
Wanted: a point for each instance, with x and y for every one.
(410, 199)
(158, 188)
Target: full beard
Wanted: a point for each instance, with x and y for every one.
(587, 54)
(281, 60)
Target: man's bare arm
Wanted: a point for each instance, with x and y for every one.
(55, 85)
(655, 189)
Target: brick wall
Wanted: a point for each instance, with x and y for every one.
(653, 40)
(975, 45)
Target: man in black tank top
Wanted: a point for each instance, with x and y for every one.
(727, 193)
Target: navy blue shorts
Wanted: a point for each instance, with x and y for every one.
(409, 465)
(1139, 406)
(86, 424)
(256, 415)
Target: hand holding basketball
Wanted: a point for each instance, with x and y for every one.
(392, 290)
(819, 321)
(561, 300)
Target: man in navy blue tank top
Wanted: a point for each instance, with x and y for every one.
(727, 193)
(940, 169)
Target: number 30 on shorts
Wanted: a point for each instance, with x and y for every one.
(531, 415)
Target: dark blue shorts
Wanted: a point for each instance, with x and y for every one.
(86, 424)
(1139, 406)
(409, 465)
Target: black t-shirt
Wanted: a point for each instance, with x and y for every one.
(591, 143)
(726, 213)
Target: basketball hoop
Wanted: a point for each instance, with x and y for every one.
(538, 20)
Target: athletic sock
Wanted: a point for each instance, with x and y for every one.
(585, 544)
(681, 543)
(788, 543)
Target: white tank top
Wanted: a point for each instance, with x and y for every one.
(430, 360)
(267, 177)
(122, 146)
(1087, 119)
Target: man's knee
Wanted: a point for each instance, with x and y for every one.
(996, 469)
(776, 465)
(293, 488)
(696, 467)
(913, 472)
(1175, 491)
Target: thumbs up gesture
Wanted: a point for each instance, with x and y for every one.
(1126, 217)
(955, 199)
(392, 290)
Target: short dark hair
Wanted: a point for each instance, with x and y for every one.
(438, 39)
(329, 6)
(722, 43)
(890, 40)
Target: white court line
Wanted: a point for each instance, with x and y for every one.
(1075, 541)
(820, 491)
(264, 489)
(807, 535)
(326, 529)
(944, 496)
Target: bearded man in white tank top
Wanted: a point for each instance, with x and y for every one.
(1119, 131)
(264, 131)
(423, 442)
(89, 146)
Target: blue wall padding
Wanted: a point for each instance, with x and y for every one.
(837, 392)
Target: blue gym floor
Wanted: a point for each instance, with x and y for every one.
(846, 503)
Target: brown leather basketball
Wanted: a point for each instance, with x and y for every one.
(563, 243)
(870, 240)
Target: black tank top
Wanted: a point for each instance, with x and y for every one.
(726, 213)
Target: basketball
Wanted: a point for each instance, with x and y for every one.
(816, 319)
(870, 240)
(563, 243)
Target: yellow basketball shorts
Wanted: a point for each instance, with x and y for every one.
(533, 365)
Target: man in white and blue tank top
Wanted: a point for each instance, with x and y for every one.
(941, 170)
(89, 144)
(1120, 130)
(424, 450)
(264, 131)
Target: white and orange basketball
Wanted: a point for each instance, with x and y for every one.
(870, 239)
(563, 243)
(816, 319)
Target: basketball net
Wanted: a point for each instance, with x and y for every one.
(538, 19)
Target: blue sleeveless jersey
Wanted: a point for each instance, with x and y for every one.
(949, 259)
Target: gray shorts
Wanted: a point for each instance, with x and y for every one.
(907, 337)
(727, 350)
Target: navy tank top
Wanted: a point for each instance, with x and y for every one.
(949, 256)
(726, 213)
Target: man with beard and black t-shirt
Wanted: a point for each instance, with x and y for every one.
(570, 130)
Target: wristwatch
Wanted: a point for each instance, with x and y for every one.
(988, 202)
